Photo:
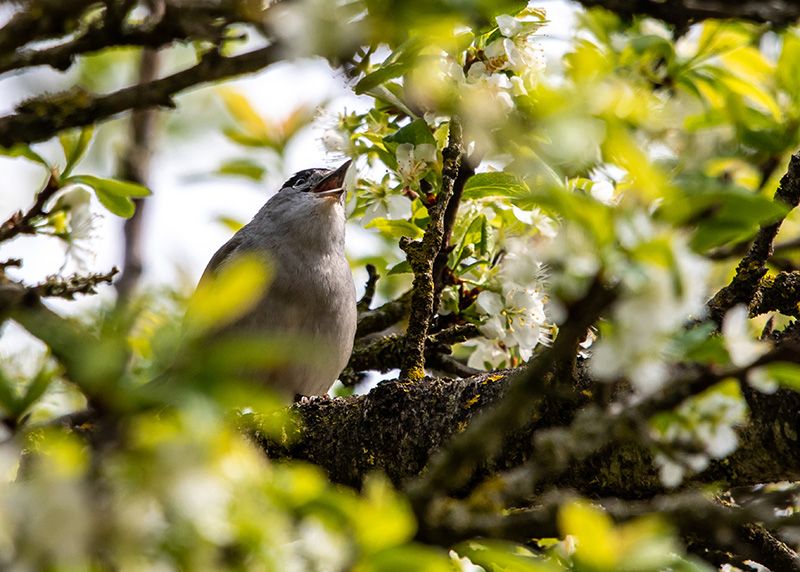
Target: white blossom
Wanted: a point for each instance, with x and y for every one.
(650, 310)
(524, 23)
(387, 205)
(464, 564)
(670, 473)
(75, 223)
(76, 201)
(709, 421)
(520, 55)
(546, 225)
(414, 161)
(514, 310)
(337, 142)
(759, 379)
(742, 347)
(486, 355)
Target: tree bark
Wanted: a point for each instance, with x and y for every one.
(398, 426)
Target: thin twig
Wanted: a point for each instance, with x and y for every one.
(384, 316)
(68, 287)
(22, 223)
(386, 353)
(39, 20)
(465, 171)
(369, 292)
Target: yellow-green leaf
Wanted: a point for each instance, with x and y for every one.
(594, 532)
(384, 518)
(222, 298)
(244, 114)
(75, 146)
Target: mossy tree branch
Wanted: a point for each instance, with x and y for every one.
(41, 118)
(752, 268)
(682, 13)
(173, 24)
(421, 255)
(397, 428)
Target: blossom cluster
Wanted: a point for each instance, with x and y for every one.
(702, 429)
(513, 304)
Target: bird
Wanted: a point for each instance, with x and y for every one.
(300, 230)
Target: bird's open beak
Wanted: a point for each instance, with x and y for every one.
(333, 183)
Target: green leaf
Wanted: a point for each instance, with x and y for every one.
(120, 206)
(597, 539)
(9, 400)
(785, 373)
(383, 518)
(417, 133)
(22, 150)
(243, 113)
(75, 146)
(503, 555)
(788, 68)
(229, 222)
(494, 185)
(382, 75)
(700, 345)
(111, 186)
(35, 390)
(416, 557)
(396, 228)
(722, 213)
(221, 298)
(475, 235)
(402, 267)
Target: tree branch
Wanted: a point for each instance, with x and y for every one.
(380, 318)
(22, 223)
(41, 118)
(752, 268)
(465, 171)
(386, 353)
(39, 20)
(397, 428)
(177, 23)
(134, 167)
(682, 13)
(67, 288)
(781, 293)
(421, 255)
(369, 292)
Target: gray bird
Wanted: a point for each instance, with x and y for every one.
(300, 230)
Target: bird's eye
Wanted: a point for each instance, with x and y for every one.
(300, 182)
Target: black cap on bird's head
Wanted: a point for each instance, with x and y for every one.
(322, 182)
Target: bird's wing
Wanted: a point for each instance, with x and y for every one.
(220, 256)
